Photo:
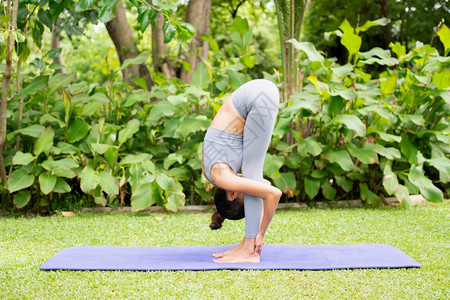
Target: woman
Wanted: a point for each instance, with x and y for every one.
(238, 138)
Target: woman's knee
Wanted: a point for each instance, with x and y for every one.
(270, 90)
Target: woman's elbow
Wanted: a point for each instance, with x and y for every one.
(276, 193)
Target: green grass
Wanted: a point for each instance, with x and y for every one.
(422, 233)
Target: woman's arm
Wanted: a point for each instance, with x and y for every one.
(230, 182)
(264, 190)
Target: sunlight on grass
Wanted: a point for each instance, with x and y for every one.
(422, 233)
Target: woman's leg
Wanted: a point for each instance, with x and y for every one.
(264, 99)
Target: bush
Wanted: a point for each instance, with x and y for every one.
(347, 132)
(357, 133)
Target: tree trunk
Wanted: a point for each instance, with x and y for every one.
(5, 83)
(120, 32)
(197, 14)
(290, 18)
(161, 60)
(19, 87)
(56, 44)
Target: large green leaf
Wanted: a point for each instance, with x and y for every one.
(171, 159)
(349, 39)
(78, 129)
(328, 191)
(47, 182)
(309, 145)
(365, 154)
(367, 195)
(64, 163)
(348, 94)
(61, 186)
(44, 141)
(416, 119)
(108, 183)
(23, 159)
(432, 193)
(390, 137)
(35, 85)
(111, 155)
(240, 25)
(89, 179)
(142, 197)
(58, 80)
(134, 159)
(286, 183)
(67, 148)
(22, 198)
(175, 196)
(417, 177)
(387, 84)
(84, 5)
(344, 183)
(402, 195)
(442, 79)
(107, 10)
(19, 180)
(91, 108)
(236, 79)
(311, 186)
(168, 31)
(100, 148)
(130, 129)
(176, 100)
(379, 56)
(309, 49)
(159, 110)
(408, 149)
(342, 71)
(428, 190)
(444, 35)
(389, 152)
(442, 164)
(212, 42)
(48, 118)
(352, 122)
(369, 24)
(157, 194)
(342, 158)
(164, 181)
(141, 58)
(33, 130)
(390, 182)
(191, 125)
(272, 165)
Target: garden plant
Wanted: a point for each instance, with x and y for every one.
(373, 127)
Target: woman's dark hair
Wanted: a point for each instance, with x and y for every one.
(233, 210)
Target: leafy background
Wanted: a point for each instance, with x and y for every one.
(368, 124)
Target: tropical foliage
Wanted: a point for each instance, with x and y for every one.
(374, 126)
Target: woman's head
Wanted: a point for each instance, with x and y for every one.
(230, 205)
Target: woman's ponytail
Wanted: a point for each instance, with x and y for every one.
(216, 221)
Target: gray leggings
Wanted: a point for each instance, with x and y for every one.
(257, 102)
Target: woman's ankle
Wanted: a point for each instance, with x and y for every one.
(248, 243)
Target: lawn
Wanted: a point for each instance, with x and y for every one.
(421, 232)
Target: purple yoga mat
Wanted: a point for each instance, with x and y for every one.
(197, 258)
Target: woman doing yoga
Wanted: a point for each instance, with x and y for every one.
(238, 139)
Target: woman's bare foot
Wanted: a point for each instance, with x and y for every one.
(244, 252)
(242, 256)
(235, 249)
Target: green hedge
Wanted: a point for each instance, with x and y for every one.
(347, 134)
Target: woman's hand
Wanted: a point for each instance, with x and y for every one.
(259, 242)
